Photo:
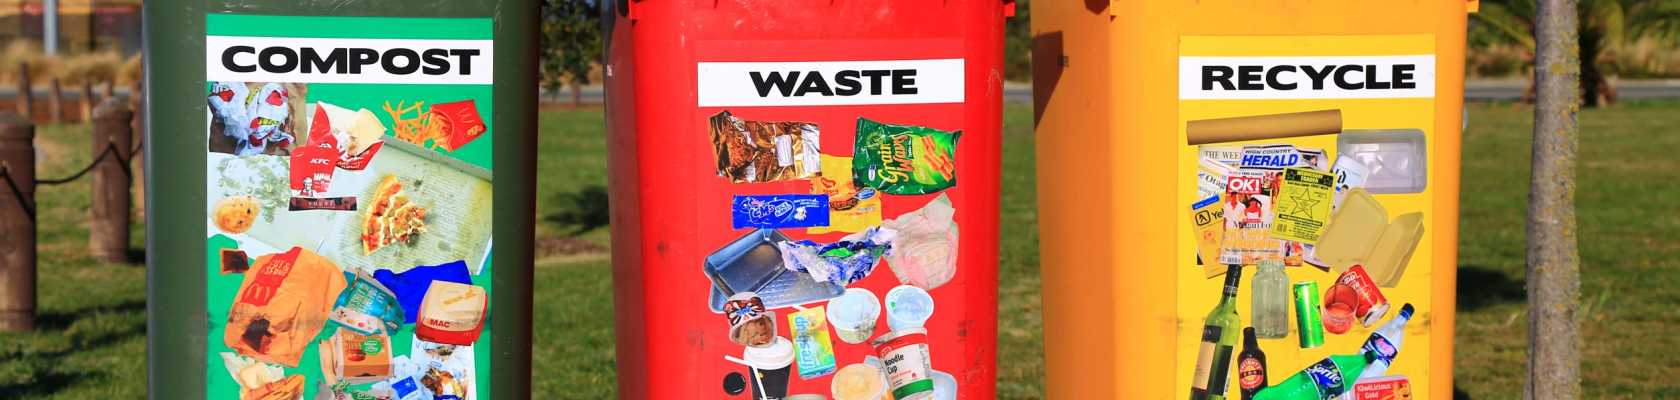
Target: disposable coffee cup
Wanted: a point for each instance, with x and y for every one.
(908, 307)
(771, 365)
(853, 315)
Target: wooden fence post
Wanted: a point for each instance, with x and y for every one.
(87, 101)
(17, 224)
(25, 104)
(108, 225)
(55, 102)
(137, 102)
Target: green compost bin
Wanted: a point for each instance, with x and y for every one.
(342, 198)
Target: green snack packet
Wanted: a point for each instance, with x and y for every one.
(904, 159)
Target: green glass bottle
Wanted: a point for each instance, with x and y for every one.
(1219, 339)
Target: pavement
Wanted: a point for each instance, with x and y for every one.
(1483, 90)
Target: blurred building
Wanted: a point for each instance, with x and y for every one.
(83, 25)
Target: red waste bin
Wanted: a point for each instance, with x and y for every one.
(778, 167)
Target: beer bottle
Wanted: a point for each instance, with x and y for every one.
(1219, 337)
(1251, 366)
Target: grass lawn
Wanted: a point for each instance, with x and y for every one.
(90, 339)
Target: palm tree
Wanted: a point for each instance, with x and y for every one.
(1607, 27)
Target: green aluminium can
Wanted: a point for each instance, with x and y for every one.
(1307, 319)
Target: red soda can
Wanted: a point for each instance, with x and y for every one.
(1372, 305)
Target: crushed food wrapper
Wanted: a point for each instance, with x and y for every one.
(444, 371)
(846, 261)
(250, 373)
(925, 250)
(852, 208)
(367, 307)
(764, 151)
(904, 159)
(251, 120)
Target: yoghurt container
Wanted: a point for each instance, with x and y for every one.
(908, 307)
(853, 315)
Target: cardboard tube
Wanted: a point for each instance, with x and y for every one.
(1258, 127)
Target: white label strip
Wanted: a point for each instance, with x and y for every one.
(822, 83)
(1277, 78)
(317, 60)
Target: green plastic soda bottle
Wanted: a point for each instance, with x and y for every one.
(1324, 380)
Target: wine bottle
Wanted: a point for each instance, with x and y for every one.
(1219, 337)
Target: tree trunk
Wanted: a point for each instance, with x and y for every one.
(577, 95)
(1554, 273)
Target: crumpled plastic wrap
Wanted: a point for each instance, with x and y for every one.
(925, 249)
(846, 261)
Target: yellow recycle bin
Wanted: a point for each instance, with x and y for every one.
(1311, 146)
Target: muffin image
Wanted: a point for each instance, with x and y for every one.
(234, 214)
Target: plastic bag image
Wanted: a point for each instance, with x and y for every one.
(925, 251)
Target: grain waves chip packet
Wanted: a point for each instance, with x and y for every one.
(904, 159)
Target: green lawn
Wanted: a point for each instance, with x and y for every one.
(90, 342)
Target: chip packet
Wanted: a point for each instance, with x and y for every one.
(851, 207)
(904, 159)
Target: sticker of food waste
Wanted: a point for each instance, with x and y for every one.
(251, 118)
(392, 218)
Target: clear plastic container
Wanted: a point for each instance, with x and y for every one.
(1396, 159)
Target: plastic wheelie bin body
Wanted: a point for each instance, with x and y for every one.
(1178, 137)
(341, 199)
(777, 167)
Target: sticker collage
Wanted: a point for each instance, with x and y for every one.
(1322, 202)
(348, 236)
(800, 307)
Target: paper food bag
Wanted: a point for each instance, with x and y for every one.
(281, 305)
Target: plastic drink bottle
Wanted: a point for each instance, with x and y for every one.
(1384, 344)
(1324, 380)
(1219, 339)
(1271, 301)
